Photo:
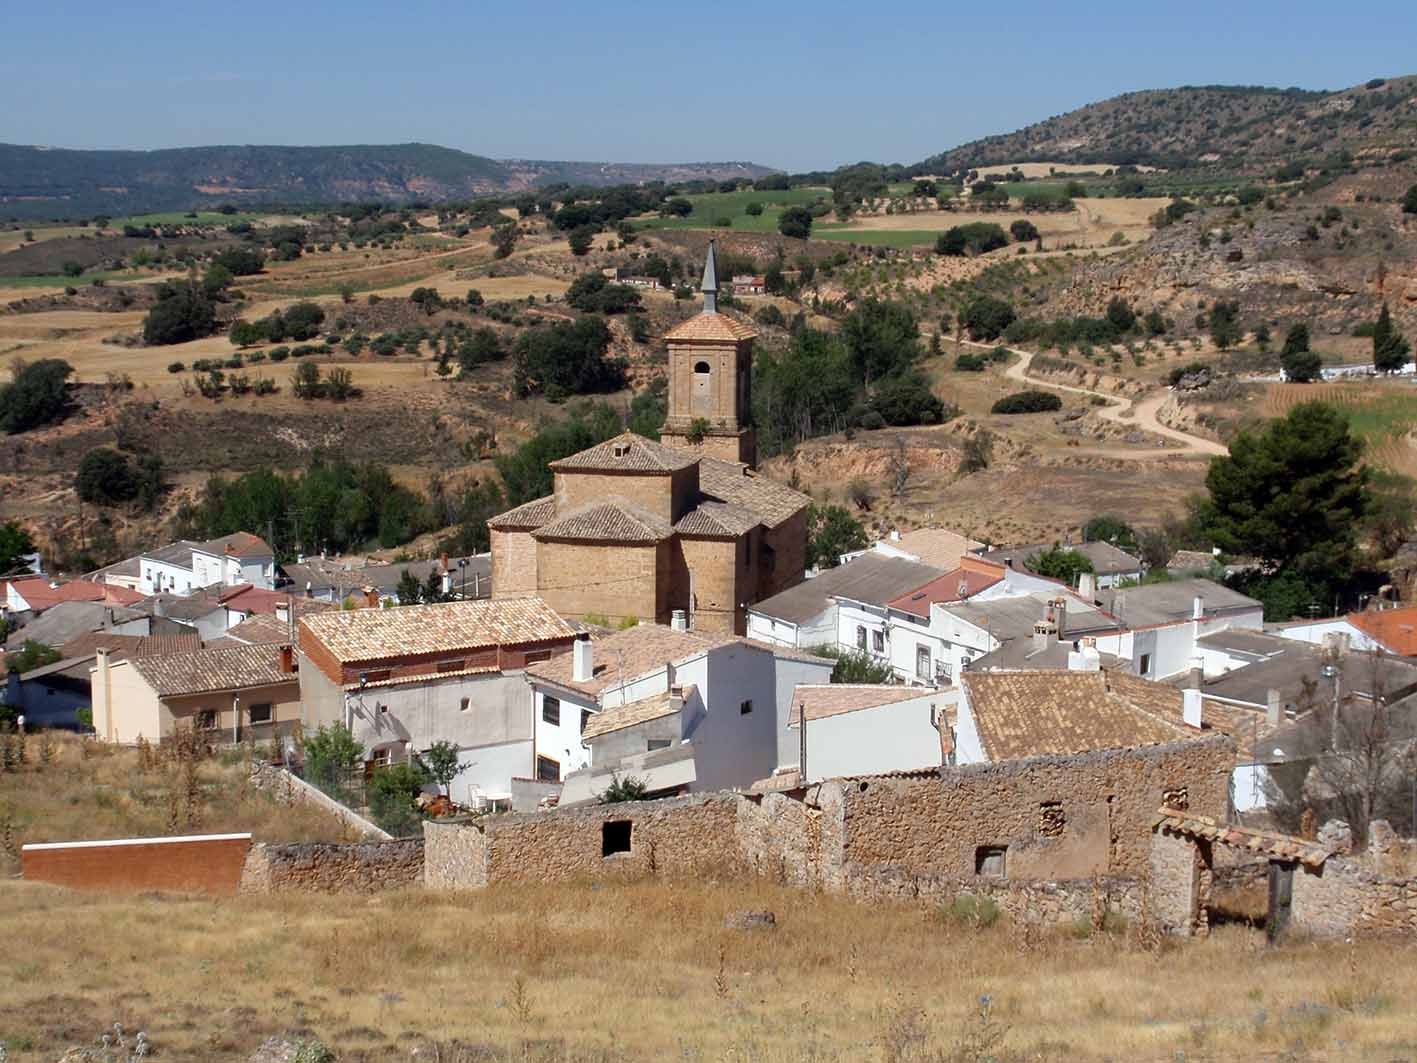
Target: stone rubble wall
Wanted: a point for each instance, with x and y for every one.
(289, 787)
(454, 855)
(323, 867)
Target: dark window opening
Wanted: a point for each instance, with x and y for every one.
(262, 713)
(206, 720)
(702, 367)
(615, 836)
(551, 710)
(585, 718)
(989, 860)
(658, 743)
(745, 707)
(1144, 667)
(547, 770)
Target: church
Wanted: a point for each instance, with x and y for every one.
(635, 529)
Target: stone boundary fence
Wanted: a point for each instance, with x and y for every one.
(321, 867)
(290, 787)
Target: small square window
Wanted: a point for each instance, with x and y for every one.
(262, 713)
(1051, 819)
(1178, 797)
(551, 710)
(616, 836)
(547, 770)
(745, 707)
(989, 860)
(206, 720)
(382, 758)
(464, 704)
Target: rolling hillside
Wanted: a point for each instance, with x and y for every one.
(46, 182)
(1234, 128)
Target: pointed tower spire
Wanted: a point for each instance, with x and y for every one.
(710, 284)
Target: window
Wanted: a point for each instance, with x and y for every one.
(658, 743)
(547, 770)
(585, 719)
(382, 758)
(376, 676)
(989, 860)
(551, 710)
(206, 720)
(615, 836)
(1144, 665)
(1051, 819)
(745, 708)
(922, 661)
(878, 641)
(464, 704)
(457, 664)
(262, 713)
(860, 637)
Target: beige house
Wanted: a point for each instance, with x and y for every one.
(231, 693)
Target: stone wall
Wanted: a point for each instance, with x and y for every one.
(513, 563)
(292, 789)
(454, 855)
(614, 580)
(318, 867)
(1364, 894)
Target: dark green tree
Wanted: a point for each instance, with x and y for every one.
(581, 239)
(525, 471)
(440, 761)
(985, 317)
(36, 394)
(1409, 201)
(504, 239)
(1296, 339)
(855, 666)
(331, 753)
(15, 543)
(106, 477)
(1390, 348)
(566, 359)
(623, 788)
(1109, 529)
(1292, 494)
(795, 222)
(1120, 314)
(831, 532)
(1301, 367)
(1060, 563)
(183, 312)
(1023, 231)
(882, 337)
(1225, 328)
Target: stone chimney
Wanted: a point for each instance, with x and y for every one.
(582, 659)
(1058, 614)
(1191, 707)
(1273, 708)
(371, 598)
(287, 660)
(1087, 586)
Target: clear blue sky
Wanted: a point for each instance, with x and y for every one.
(785, 83)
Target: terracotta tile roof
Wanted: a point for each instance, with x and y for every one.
(1267, 842)
(1396, 629)
(38, 593)
(935, 546)
(263, 628)
(617, 718)
(129, 646)
(242, 544)
(953, 586)
(721, 519)
(719, 328)
(1033, 713)
(613, 520)
(627, 452)
(528, 515)
(210, 670)
(410, 630)
(244, 598)
(626, 655)
(728, 481)
(833, 699)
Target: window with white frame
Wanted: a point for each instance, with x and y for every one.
(922, 661)
(878, 641)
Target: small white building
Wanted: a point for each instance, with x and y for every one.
(857, 729)
(185, 567)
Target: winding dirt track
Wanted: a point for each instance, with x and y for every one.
(1140, 415)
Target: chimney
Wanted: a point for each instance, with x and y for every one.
(287, 660)
(1191, 708)
(228, 550)
(104, 684)
(1086, 658)
(1043, 633)
(1273, 708)
(671, 678)
(1087, 586)
(1058, 614)
(371, 598)
(895, 535)
(309, 589)
(447, 578)
(676, 699)
(680, 620)
(283, 611)
(582, 659)
(1197, 608)
(159, 607)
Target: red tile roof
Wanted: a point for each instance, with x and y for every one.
(39, 594)
(1396, 629)
(953, 586)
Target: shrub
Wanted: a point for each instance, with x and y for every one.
(1031, 401)
(795, 222)
(175, 367)
(278, 354)
(1023, 231)
(971, 363)
(906, 399)
(35, 395)
(986, 317)
(105, 477)
(182, 313)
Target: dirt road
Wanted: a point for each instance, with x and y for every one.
(1140, 415)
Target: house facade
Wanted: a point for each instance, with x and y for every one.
(848, 730)
(184, 567)
(404, 678)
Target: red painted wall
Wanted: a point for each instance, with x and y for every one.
(198, 864)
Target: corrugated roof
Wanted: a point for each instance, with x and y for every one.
(1163, 603)
(412, 630)
(711, 327)
(531, 514)
(613, 520)
(1032, 713)
(211, 670)
(820, 700)
(627, 452)
(871, 577)
(619, 717)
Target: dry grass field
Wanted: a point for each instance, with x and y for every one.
(644, 970)
(1092, 224)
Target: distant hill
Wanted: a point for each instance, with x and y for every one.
(1235, 128)
(45, 182)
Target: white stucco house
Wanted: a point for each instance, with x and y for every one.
(185, 567)
(845, 729)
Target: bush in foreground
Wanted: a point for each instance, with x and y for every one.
(1028, 402)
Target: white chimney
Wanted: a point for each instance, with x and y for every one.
(1087, 586)
(1191, 707)
(582, 660)
(1273, 708)
(283, 612)
(1085, 658)
(680, 620)
(447, 582)
(1197, 607)
(895, 535)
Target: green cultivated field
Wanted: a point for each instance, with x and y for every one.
(899, 238)
(52, 280)
(711, 206)
(177, 217)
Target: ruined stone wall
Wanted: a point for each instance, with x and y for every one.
(454, 856)
(1054, 817)
(323, 867)
(1346, 896)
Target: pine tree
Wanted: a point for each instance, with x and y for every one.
(1296, 340)
(1390, 349)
